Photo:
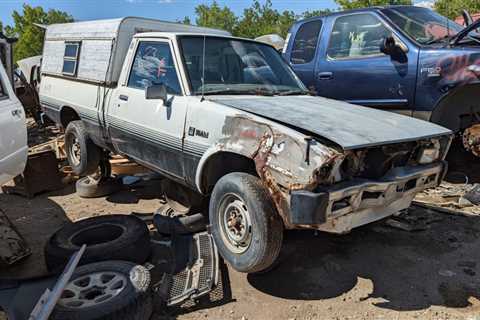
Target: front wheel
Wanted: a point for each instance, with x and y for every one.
(245, 225)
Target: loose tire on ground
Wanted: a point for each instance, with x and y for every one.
(112, 237)
(108, 290)
(242, 195)
(83, 155)
(88, 187)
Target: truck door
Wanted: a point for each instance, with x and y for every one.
(352, 67)
(13, 132)
(303, 51)
(150, 131)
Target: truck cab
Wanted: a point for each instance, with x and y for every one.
(405, 59)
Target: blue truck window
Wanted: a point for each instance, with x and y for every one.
(305, 43)
(355, 36)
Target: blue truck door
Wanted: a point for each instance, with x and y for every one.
(351, 66)
(302, 51)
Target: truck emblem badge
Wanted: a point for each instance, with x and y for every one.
(196, 132)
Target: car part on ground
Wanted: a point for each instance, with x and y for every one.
(111, 237)
(13, 247)
(47, 302)
(198, 278)
(167, 224)
(31, 298)
(106, 290)
(41, 174)
(89, 187)
(244, 223)
(471, 139)
(83, 155)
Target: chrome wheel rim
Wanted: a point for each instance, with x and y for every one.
(235, 223)
(74, 150)
(92, 289)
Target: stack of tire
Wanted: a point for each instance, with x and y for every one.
(110, 282)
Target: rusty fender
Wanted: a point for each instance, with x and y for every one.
(281, 159)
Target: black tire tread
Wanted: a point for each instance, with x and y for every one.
(93, 153)
(267, 251)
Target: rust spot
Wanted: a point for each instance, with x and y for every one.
(471, 139)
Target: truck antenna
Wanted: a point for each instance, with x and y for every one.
(203, 70)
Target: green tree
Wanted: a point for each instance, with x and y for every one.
(263, 19)
(453, 8)
(354, 4)
(30, 37)
(215, 17)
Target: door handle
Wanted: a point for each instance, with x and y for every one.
(17, 113)
(123, 97)
(325, 75)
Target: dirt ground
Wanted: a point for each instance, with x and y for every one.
(375, 272)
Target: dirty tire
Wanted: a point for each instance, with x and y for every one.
(266, 226)
(88, 188)
(112, 237)
(89, 154)
(133, 302)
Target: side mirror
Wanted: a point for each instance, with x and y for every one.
(388, 45)
(156, 92)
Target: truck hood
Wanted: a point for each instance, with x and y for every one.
(347, 125)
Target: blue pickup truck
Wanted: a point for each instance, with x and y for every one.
(401, 58)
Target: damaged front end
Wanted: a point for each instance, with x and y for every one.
(315, 184)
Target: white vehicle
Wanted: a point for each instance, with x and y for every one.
(228, 119)
(13, 131)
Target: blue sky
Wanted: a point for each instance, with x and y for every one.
(170, 10)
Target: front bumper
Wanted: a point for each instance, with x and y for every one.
(350, 204)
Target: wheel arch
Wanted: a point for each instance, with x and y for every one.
(67, 115)
(455, 109)
(212, 167)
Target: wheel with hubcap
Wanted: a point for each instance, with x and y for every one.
(106, 290)
(245, 225)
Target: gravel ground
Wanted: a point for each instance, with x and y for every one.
(375, 272)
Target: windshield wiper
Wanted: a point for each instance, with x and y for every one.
(438, 40)
(294, 93)
(257, 91)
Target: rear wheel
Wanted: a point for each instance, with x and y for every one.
(245, 224)
(83, 155)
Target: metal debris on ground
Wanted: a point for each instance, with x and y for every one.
(413, 220)
(461, 197)
(12, 245)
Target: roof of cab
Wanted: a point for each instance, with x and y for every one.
(343, 12)
(173, 35)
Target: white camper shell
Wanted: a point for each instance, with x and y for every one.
(94, 51)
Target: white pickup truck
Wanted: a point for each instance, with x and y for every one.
(228, 119)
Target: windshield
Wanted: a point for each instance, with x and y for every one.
(236, 67)
(422, 24)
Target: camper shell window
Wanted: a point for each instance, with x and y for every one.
(70, 58)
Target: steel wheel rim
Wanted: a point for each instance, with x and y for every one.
(74, 151)
(92, 289)
(235, 223)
